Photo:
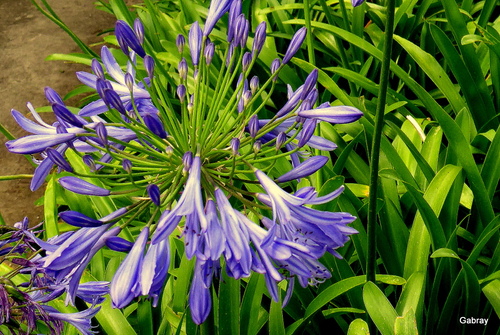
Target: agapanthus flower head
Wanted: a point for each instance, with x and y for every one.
(25, 305)
(203, 158)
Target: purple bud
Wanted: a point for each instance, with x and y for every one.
(291, 103)
(241, 31)
(181, 92)
(247, 96)
(335, 114)
(128, 39)
(254, 84)
(97, 68)
(113, 99)
(215, 12)
(89, 161)
(149, 64)
(235, 145)
(195, 39)
(280, 140)
(154, 194)
(129, 82)
(309, 83)
(295, 44)
(275, 65)
(253, 125)
(241, 105)
(259, 39)
(139, 30)
(312, 97)
(356, 3)
(154, 124)
(187, 160)
(169, 151)
(127, 165)
(307, 132)
(257, 146)
(304, 169)
(230, 53)
(64, 114)
(52, 96)
(118, 244)
(58, 159)
(102, 133)
(80, 186)
(37, 143)
(245, 62)
(101, 86)
(234, 12)
(183, 69)
(79, 220)
(209, 52)
(180, 41)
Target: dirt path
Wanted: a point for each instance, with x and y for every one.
(26, 39)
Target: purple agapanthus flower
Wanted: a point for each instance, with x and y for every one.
(80, 320)
(207, 166)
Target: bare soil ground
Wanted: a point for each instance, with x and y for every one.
(26, 39)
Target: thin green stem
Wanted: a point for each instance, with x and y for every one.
(377, 135)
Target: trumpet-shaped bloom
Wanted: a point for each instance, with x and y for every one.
(125, 283)
(190, 202)
(335, 114)
(80, 320)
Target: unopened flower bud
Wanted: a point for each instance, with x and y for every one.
(154, 193)
(127, 38)
(253, 125)
(259, 39)
(280, 140)
(58, 159)
(139, 30)
(129, 82)
(307, 132)
(194, 40)
(295, 44)
(209, 52)
(97, 68)
(257, 146)
(180, 41)
(154, 124)
(183, 69)
(102, 133)
(254, 84)
(246, 61)
(275, 65)
(247, 96)
(169, 151)
(181, 92)
(309, 83)
(234, 12)
(113, 99)
(235, 145)
(127, 165)
(187, 160)
(149, 64)
(90, 162)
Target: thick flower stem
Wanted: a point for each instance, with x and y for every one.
(375, 151)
